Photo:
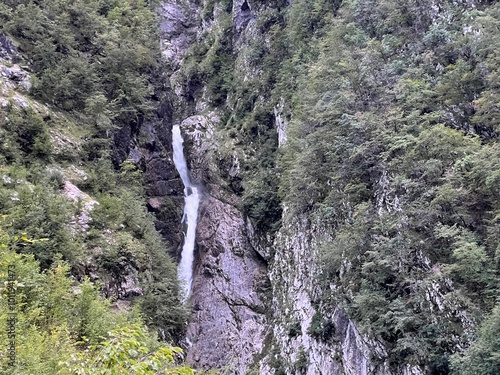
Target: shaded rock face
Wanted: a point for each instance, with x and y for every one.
(15, 80)
(228, 326)
(148, 144)
(242, 15)
(179, 28)
(164, 187)
(8, 50)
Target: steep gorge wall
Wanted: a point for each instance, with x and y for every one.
(256, 306)
(230, 329)
(310, 339)
(229, 326)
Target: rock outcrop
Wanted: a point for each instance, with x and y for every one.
(82, 219)
(309, 339)
(14, 79)
(228, 325)
(229, 328)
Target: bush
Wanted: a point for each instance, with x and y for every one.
(29, 132)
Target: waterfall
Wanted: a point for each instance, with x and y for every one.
(190, 217)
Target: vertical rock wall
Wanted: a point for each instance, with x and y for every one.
(228, 324)
(308, 339)
(229, 328)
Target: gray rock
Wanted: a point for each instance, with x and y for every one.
(228, 327)
(178, 26)
(7, 48)
(135, 155)
(292, 276)
(242, 14)
(281, 122)
(81, 221)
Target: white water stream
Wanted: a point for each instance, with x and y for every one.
(190, 217)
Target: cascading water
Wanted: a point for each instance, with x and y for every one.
(190, 217)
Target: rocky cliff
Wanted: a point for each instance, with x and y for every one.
(257, 306)
(230, 329)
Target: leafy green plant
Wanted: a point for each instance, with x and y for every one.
(126, 352)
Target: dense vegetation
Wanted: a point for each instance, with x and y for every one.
(66, 329)
(92, 64)
(392, 148)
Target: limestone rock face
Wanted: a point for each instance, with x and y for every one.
(82, 220)
(228, 325)
(310, 340)
(164, 187)
(281, 122)
(178, 26)
(242, 14)
(14, 79)
(8, 50)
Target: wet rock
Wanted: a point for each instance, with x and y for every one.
(228, 325)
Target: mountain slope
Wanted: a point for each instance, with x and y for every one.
(358, 139)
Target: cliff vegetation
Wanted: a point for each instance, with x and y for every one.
(392, 151)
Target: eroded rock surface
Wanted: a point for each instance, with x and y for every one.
(228, 325)
(234, 326)
(178, 27)
(310, 340)
(82, 219)
(14, 79)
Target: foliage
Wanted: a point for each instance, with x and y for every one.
(34, 205)
(88, 56)
(25, 132)
(483, 357)
(321, 328)
(92, 65)
(126, 352)
(60, 327)
(391, 151)
(135, 245)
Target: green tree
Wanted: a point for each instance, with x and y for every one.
(483, 357)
